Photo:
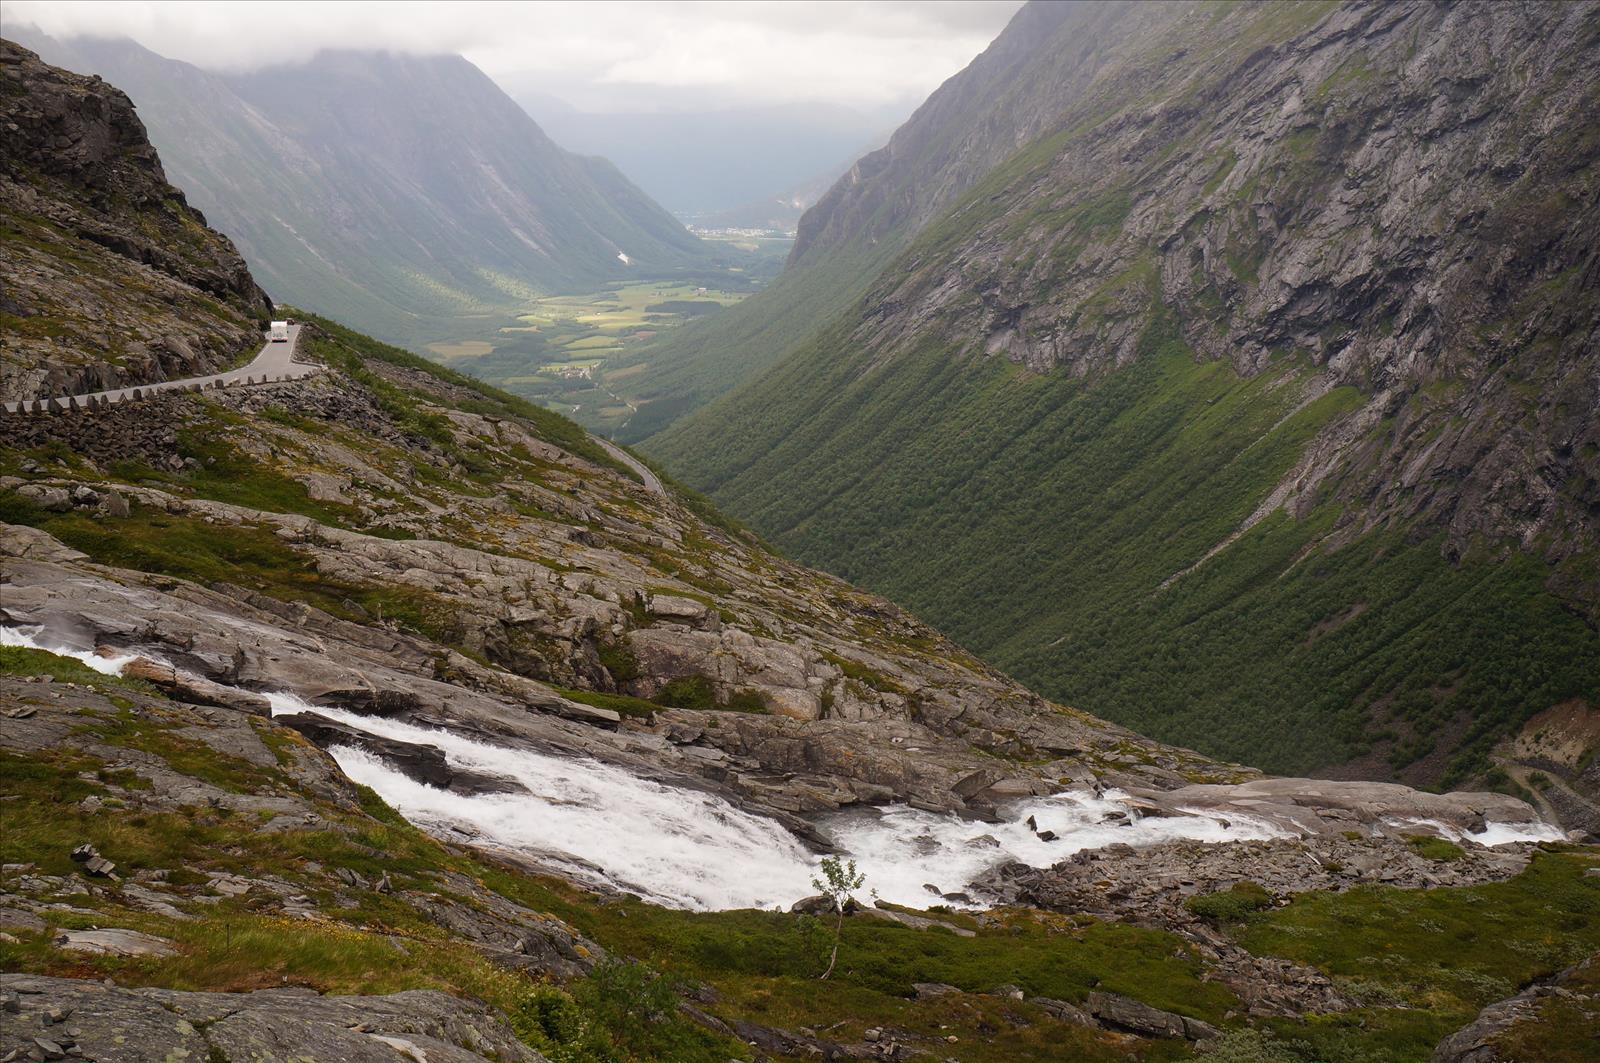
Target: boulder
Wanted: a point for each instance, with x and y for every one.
(50, 499)
(115, 943)
(915, 922)
(973, 784)
(112, 504)
(796, 704)
(817, 904)
(1135, 1016)
(672, 607)
(185, 686)
(1061, 1011)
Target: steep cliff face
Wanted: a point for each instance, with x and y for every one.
(110, 276)
(1403, 197)
(1284, 308)
(1015, 92)
(1010, 95)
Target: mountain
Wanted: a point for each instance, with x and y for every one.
(378, 714)
(401, 193)
(702, 163)
(976, 120)
(109, 277)
(1229, 373)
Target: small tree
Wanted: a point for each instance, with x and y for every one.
(837, 881)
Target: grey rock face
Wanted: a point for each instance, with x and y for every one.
(115, 943)
(152, 292)
(1404, 215)
(53, 499)
(1150, 884)
(1324, 806)
(118, 1025)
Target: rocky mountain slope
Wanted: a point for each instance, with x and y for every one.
(392, 191)
(381, 715)
(403, 553)
(1251, 403)
(109, 276)
(423, 564)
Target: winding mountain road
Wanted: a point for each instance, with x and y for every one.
(652, 482)
(275, 362)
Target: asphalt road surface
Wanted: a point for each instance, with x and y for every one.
(652, 482)
(275, 362)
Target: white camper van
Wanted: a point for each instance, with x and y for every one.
(280, 332)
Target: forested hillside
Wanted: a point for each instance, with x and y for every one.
(1252, 402)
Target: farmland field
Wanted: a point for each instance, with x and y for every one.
(577, 353)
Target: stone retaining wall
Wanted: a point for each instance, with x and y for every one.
(138, 394)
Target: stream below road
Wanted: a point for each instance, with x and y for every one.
(687, 848)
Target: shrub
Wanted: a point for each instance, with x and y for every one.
(1232, 905)
(698, 692)
(689, 692)
(618, 659)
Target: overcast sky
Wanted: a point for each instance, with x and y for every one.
(597, 56)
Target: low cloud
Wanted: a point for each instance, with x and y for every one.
(602, 56)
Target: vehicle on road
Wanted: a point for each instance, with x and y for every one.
(279, 332)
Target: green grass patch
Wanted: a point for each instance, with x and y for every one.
(698, 692)
(1436, 849)
(349, 350)
(223, 474)
(22, 660)
(865, 674)
(638, 708)
(1444, 952)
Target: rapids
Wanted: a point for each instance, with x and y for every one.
(687, 848)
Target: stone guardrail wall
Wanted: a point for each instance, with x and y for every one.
(137, 394)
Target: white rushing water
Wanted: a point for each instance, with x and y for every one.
(106, 662)
(904, 850)
(690, 849)
(681, 847)
(1492, 833)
